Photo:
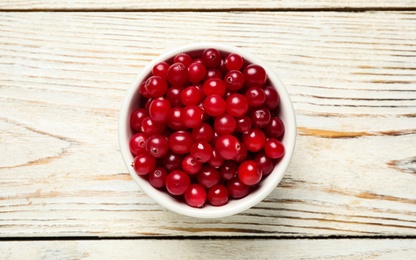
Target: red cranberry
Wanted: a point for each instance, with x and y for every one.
(254, 139)
(143, 90)
(192, 116)
(203, 133)
(201, 151)
(156, 86)
(175, 121)
(242, 154)
(243, 124)
(228, 170)
(157, 145)
(190, 165)
(172, 161)
(213, 86)
(234, 80)
(227, 146)
(136, 118)
(214, 105)
(255, 75)
(137, 143)
(249, 173)
(160, 69)
(266, 163)
(275, 128)
(211, 58)
(216, 159)
(196, 72)
(173, 95)
(151, 127)
(157, 178)
(208, 176)
(237, 105)
(177, 182)
(272, 98)
(274, 148)
(218, 195)
(159, 110)
(177, 74)
(213, 74)
(183, 58)
(234, 62)
(225, 124)
(144, 163)
(255, 96)
(180, 142)
(237, 189)
(191, 96)
(195, 196)
(260, 117)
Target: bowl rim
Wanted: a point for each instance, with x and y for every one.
(234, 206)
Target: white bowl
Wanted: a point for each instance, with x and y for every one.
(234, 206)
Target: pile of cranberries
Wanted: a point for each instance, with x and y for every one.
(207, 129)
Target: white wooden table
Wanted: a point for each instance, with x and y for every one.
(350, 69)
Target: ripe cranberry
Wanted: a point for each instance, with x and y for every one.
(195, 196)
(242, 154)
(150, 127)
(177, 74)
(137, 143)
(214, 105)
(173, 95)
(237, 105)
(180, 142)
(183, 58)
(157, 178)
(211, 58)
(234, 80)
(266, 163)
(174, 121)
(243, 124)
(214, 86)
(260, 117)
(203, 133)
(143, 90)
(237, 189)
(255, 96)
(225, 124)
(254, 139)
(157, 145)
(136, 118)
(227, 146)
(159, 110)
(274, 148)
(191, 96)
(213, 74)
(228, 170)
(190, 165)
(144, 163)
(196, 72)
(216, 159)
(275, 128)
(249, 173)
(201, 151)
(160, 69)
(272, 98)
(198, 60)
(255, 75)
(208, 176)
(177, 182)
(191, 116)
(156, 86)
(218, 195)
(172, 161)
(234, 62)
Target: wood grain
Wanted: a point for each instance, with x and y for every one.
(208, 249)
(351, 77)
(159, 5)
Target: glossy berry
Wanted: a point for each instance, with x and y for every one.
(213, 74)
(157, 145)
(180, 142)
(242, 154)
(255, 96)
(177, 74)
(214, 86)
(228, 170)
(136, 118)
(237, 189)
(196, 72)
(208, 176)
(144, 163)
(214, 105)
(156, 86)
(249, 173)
(175, 121)
(150, 127)
(274, 148)
(216, 159)
(192, 116)
(173, 95)
(190, 165)
(143, 90)
(183, 58)
(159, 110)
(234, 80)
(255, 75)
(201, 151)
(272, 98)
(177, 182)
(227, 146)
(225, 124)
(234, 62)
(218, 195)
(237, 105)
(243, 124)
(203, 133)
(160, 69)
(191, 96)
(157, 178)
(254, 139)
(195, 196)
(172, 161)
(266, 163)
(137, 143)
(275, 128)
(211, 58)
(260, 117)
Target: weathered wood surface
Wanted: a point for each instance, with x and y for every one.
(209, 249)
(129, 5)
(351, 77)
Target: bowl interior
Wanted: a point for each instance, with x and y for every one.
(265, 187)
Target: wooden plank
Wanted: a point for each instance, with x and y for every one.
(207, 249)
(202, 5)
(350, 75)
